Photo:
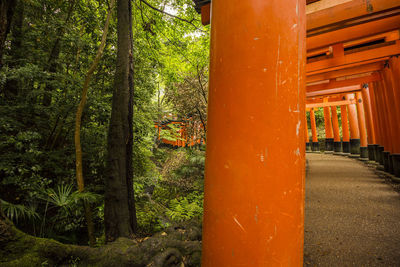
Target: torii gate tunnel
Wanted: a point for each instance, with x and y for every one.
(271, 63)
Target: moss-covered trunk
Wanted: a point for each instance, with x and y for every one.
(177, 246)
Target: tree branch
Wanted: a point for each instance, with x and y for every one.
(171, 15)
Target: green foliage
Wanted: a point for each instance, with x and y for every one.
(45, 62)
(16, 211)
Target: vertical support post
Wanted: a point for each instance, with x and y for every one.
(362, 127)
(395, 71)
(308, 145)
(370, 123)
(254, 190)
(315, 143)
(345, 130)
(385, 130)
(378, 126)
(354, 131)
(328, 129)
(336, 133)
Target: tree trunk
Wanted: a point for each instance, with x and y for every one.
(6, 13)
(78, 120)
(119, 211)
(16, 53)
(176, 246)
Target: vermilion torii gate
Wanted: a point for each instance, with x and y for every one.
(261, 78)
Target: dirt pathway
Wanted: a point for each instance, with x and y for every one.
(352, 216)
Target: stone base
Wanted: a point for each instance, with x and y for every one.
(354, 156)
(328, 144)
(386, 159)
(396, 164)
(371, 152)
(379, 154)
(315, 146)
(308, 147)
(337, 147)
(346, 147)
(355, 146)
(364, 152)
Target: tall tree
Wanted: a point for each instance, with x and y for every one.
(6, 13)
(119, 208)
(77, 135)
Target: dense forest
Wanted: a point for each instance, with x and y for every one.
(83, 85)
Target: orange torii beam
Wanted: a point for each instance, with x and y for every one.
(344, 83)
(323, 20)
(328, 129)
(315, 143)
(357, 31)
(345, 130)
(362, 57)
(270, 117)
(371, 67)
(337, 144)
(330, 104)
(354, 131)
(362, 127)
(340, 90)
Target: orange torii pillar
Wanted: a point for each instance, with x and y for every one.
(337, 145)
(254, 190)
(354, 131)
(308, 145)
(328, 129)
(372, 145)
(392, 96)
(376, 114)
(362, 127)
(395, 68)
(345, 130)
(315, 143)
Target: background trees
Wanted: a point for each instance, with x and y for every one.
(49, 47)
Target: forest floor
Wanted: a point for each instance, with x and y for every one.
(352, 216)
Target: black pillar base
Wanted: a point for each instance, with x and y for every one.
(355, 146)
(379, 154)
(329, 144)
(391, 164)
(386, 158)
(371, 152)
(346, 147)
(308, 146)
(315, 146)
(396, 164)
(337, 147)
(364, 152)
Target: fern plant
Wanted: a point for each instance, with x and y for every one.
(16, 211)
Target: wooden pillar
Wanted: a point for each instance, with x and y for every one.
(395, 74)
(337, 144)
(378, 126)
(354, 131)
(370, 123)
(328, 129)
(315, 143)
(254, 190)
(362, 127)
(345, 129)
(308, 144)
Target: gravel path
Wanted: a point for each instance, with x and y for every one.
(352, 216)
